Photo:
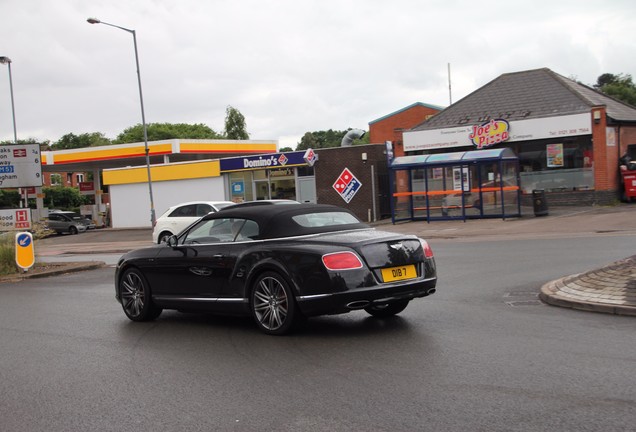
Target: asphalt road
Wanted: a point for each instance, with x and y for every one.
(481, 354)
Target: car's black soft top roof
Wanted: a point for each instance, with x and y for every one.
(276, 220)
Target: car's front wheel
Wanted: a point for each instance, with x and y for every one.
(273, 305)
(387, 310)
(136, 297)
(72, 230)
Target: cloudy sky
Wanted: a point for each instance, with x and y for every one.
(290, 66)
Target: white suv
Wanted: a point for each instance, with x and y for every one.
(180, 216)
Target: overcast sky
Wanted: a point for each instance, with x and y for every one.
(290, 66)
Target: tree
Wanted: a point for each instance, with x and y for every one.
(235, 127)
(72, 141)
(285, 149)
(326, 139)
(618, 86)
(165, 131)
(66, 198)
(43, 144)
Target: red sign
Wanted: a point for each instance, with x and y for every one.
(490, 133)
(19, 152)
(87, 188)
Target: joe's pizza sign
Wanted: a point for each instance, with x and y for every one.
(490, 133)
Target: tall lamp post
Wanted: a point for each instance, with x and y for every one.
(143, 115)
(7, 61)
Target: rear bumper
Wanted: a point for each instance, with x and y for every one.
(342, 302)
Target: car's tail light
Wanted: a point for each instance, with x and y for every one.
(341, 261)
(428, 252)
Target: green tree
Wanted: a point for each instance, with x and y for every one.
(72, 141)
(28, 141)
(64, 198)
(285, 149)
(326, 139)
(618, 86)
(164, 131)
(235, 127)
(9, 198)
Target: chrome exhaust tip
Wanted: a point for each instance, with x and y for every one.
(359, 304)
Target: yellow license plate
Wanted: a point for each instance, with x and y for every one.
(393, 274)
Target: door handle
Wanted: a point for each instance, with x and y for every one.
(201, 271)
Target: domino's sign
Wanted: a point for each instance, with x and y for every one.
(347, 185)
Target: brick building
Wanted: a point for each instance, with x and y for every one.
(568, 136)
(391, 126)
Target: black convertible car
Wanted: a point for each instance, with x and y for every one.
(279, 264)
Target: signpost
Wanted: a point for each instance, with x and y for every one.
(20, 166)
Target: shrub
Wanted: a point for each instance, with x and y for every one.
(7, 254)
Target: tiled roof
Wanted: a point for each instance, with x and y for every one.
(525, 95)
(435, 107)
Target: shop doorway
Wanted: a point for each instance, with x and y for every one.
(307, 189)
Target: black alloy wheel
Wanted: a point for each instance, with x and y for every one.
(135, 297)
(72, 230)
(273, 305)
(387, 310)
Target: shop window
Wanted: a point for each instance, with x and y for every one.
(556, 165)
(56, 179)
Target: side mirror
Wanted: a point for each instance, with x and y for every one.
(172, 241)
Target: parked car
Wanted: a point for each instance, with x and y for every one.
(180, 216)
(90, 223)
(277, 263)
(66, 222)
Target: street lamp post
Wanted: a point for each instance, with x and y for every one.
(7, 61)
(143, 115)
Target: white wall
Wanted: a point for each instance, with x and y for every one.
(130, 203)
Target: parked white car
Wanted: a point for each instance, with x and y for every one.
(180, 216)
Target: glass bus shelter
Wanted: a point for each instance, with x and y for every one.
(462, 185)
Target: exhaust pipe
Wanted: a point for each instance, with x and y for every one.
(431, 291)
(359, 304)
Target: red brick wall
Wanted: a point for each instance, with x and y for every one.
(384, 130)
(331, 163)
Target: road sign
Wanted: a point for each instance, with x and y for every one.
(15, 219)
(24, 252)
(20, 166)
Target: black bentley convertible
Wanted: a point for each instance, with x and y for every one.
(279, 264)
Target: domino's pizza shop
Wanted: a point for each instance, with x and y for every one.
(271, 176)
(353, 177)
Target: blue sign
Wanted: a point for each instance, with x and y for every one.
(6, 169)
(238, 188)
(268, 161)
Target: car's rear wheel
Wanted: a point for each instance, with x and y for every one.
(72, 230)
(136, 297)
(273, 305)
(387, 310)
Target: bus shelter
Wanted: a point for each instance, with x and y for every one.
(462, 185)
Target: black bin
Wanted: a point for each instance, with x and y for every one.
(539, 203)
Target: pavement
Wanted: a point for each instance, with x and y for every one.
(608, 289)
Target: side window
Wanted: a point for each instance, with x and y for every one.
(185, 211)
(210, 231)
(203, 209)
(245, 230)
(53, 217)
